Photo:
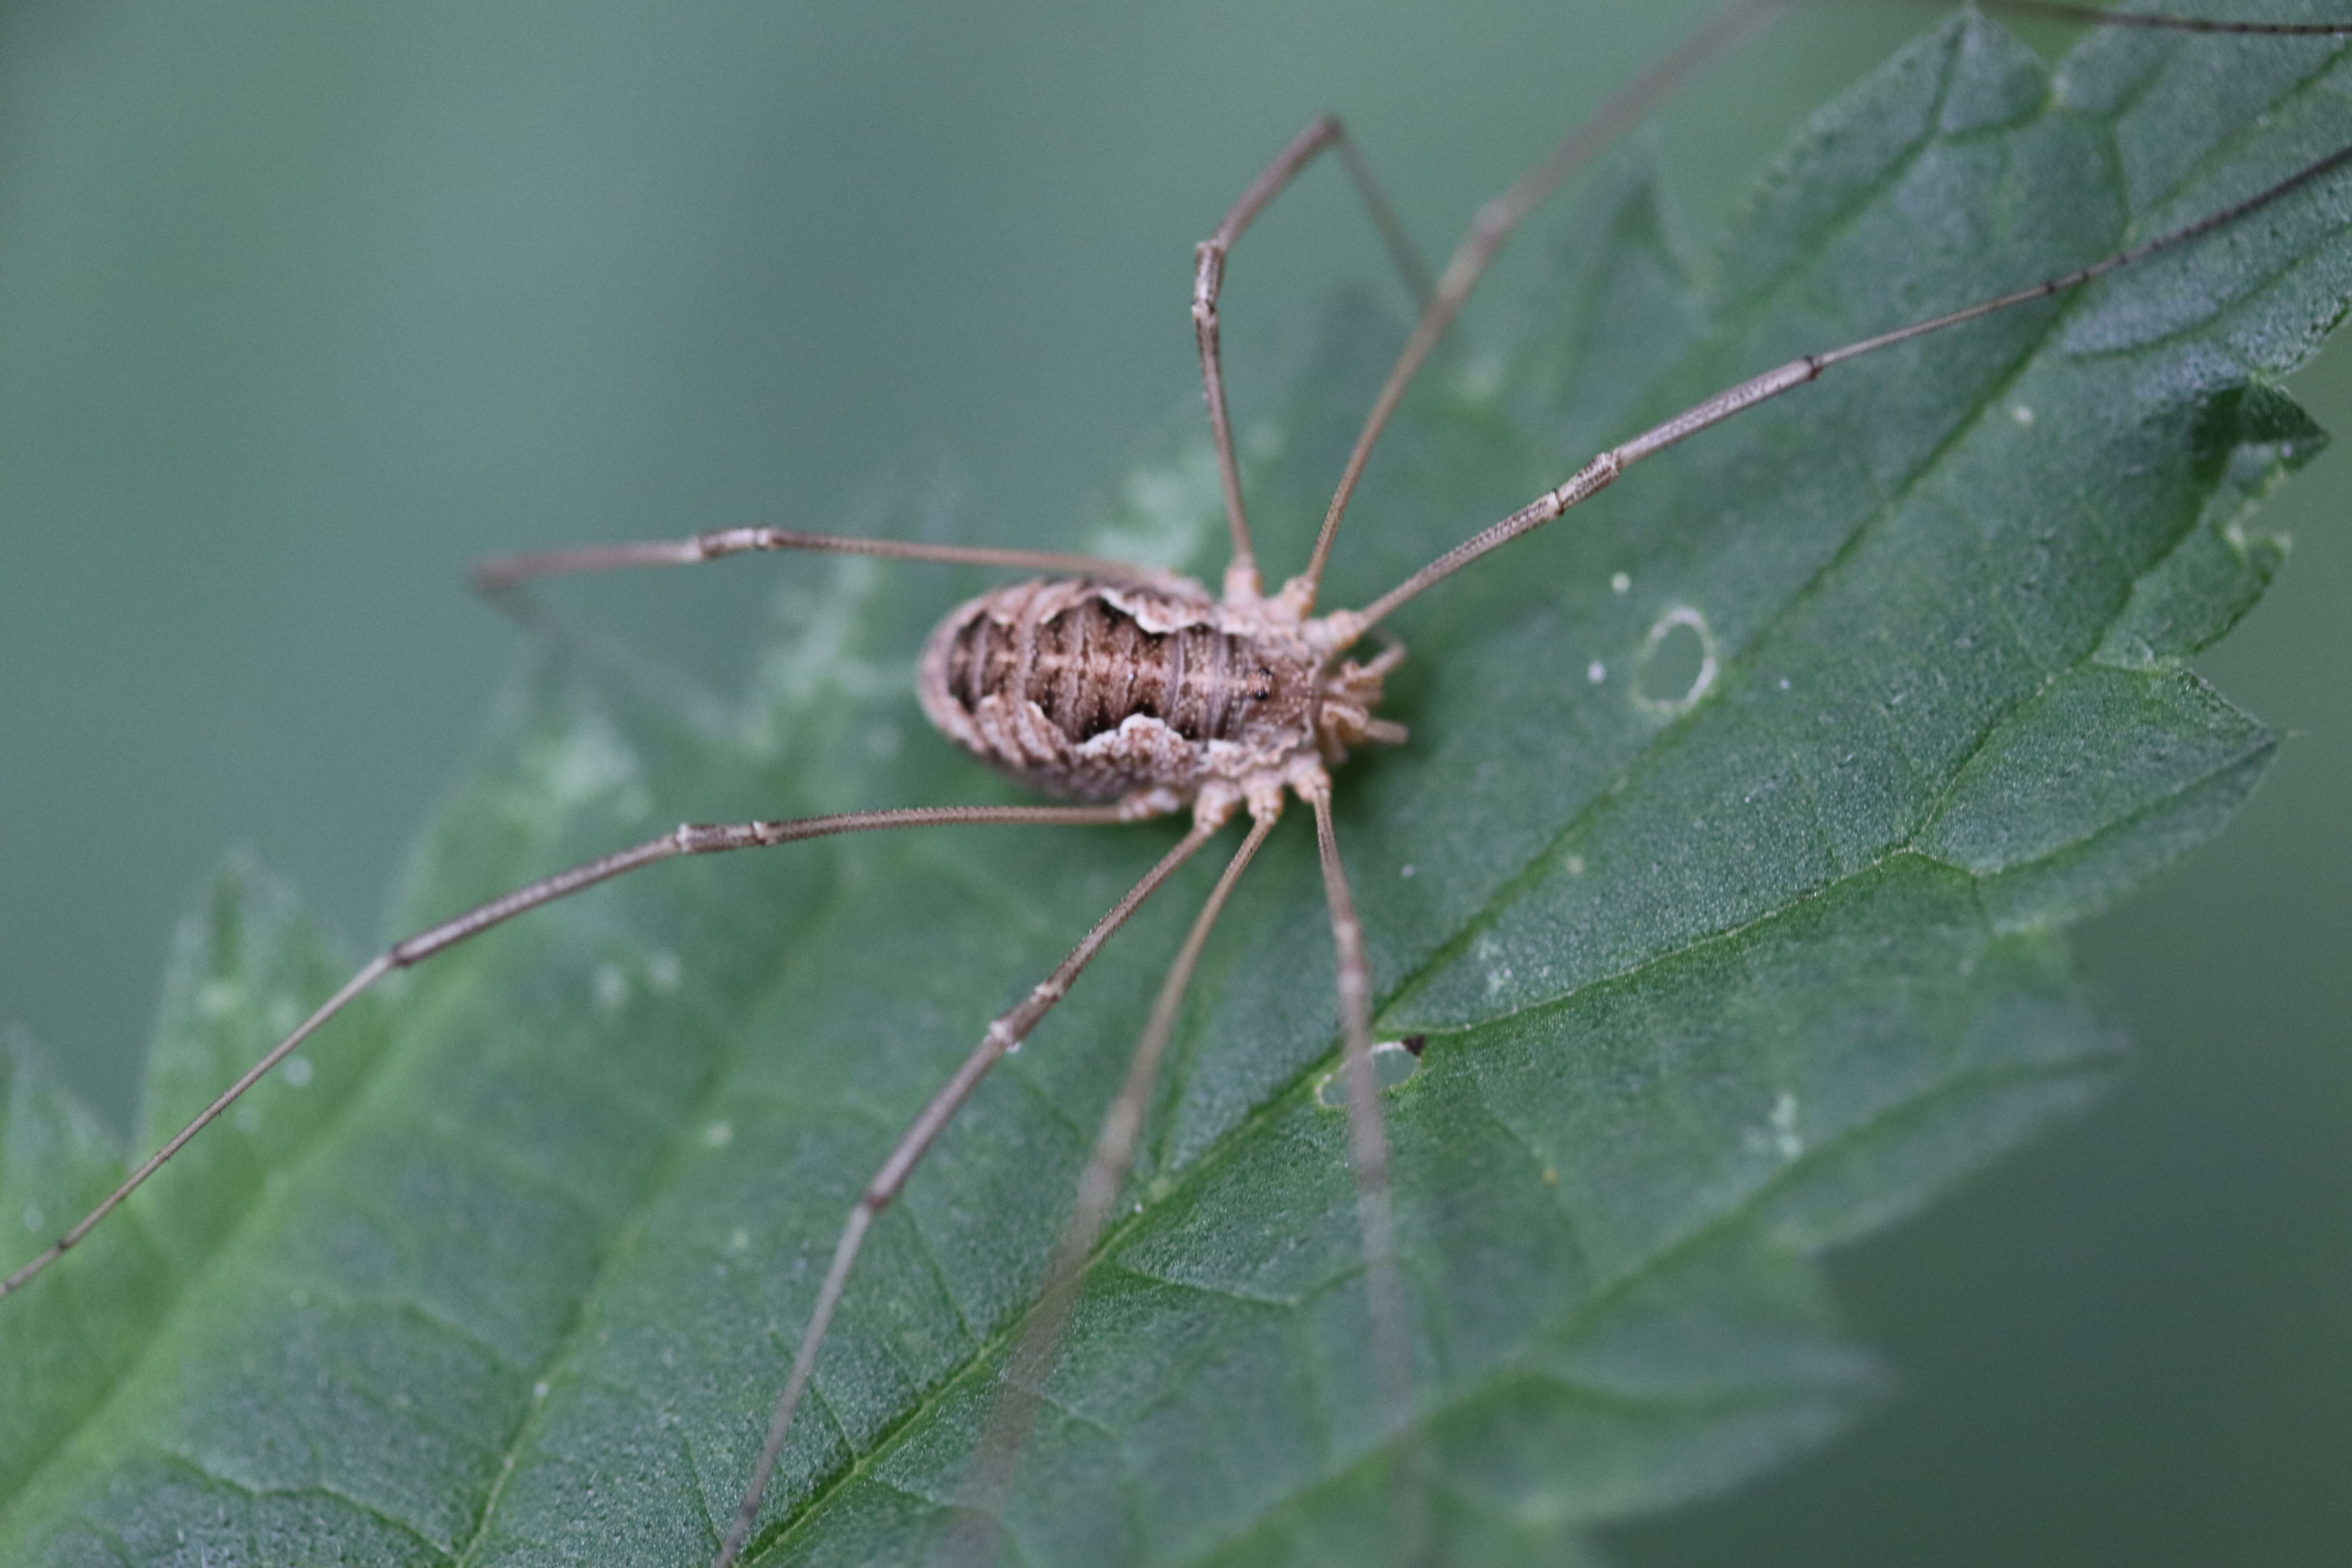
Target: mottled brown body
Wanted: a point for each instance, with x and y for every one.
(1158, 696)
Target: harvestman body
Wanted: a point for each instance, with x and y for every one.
(1136, 694)
(1156, 697)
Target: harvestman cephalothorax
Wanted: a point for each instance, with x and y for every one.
(1133, 694)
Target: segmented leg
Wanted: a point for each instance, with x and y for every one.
(1499, 218)
(1208, 279)
(509, 570)
(1369, 1148)
(1005, 1033)
(991, 1479)
(1602, 470)
(687, 838)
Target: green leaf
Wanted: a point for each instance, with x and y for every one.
(1712, 977)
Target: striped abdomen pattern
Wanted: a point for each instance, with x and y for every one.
(1088, 663)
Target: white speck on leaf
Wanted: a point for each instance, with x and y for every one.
(1779, 1136)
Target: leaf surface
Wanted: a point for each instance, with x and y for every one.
(1722, 875)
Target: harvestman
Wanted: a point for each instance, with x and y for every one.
(1136, 694)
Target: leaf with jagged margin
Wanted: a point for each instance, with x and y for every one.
(1710, 984)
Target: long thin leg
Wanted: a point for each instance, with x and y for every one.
(508, 571)
(1208, 280)
(1024, 1375)
(687, 838)
(1598, 474)
(1369, 1145)
(1005, 1033)
(1499, 218)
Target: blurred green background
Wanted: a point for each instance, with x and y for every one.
(303, 305)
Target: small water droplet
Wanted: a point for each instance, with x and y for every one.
(1596, 672)
(1619, 583)
(610, 987)
(719, 1134)
(1406, 872)
(297, 1071)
